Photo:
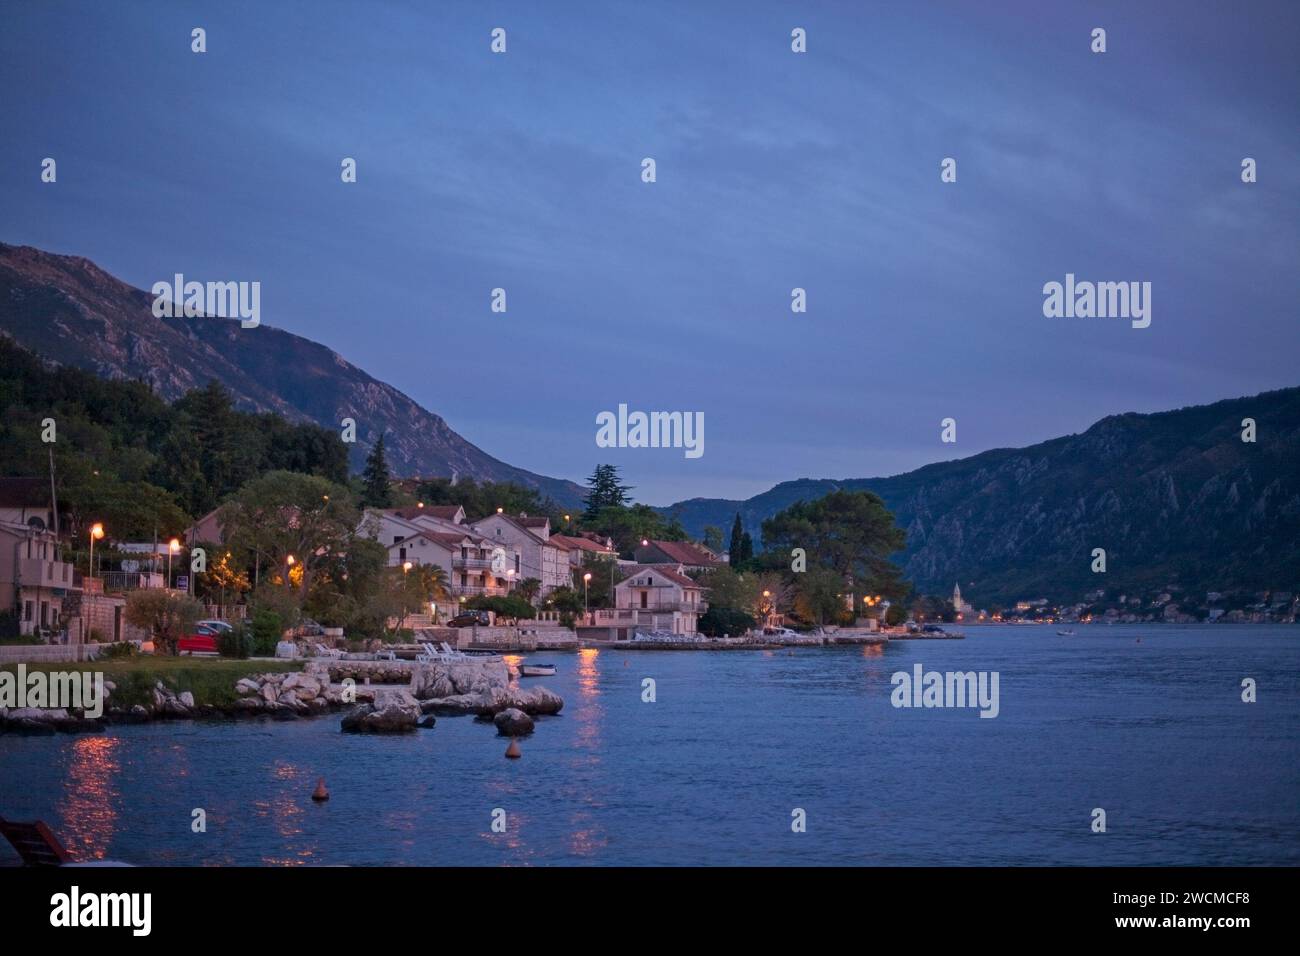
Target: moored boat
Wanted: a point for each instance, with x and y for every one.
(536, 670)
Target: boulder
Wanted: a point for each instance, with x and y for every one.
(393, 718)
(268, 692)
(537, 701)
(513, 722)
(427, 723)
(246, 685)
(186, 698)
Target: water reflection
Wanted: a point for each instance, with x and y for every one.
(90, 795)
(284, 811)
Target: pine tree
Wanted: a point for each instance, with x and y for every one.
(737, 546)
(746, 548)
(377, 493)
(605, 491)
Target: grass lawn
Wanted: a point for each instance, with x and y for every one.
(210, 679)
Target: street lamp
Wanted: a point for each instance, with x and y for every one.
(586, 585)
(288, 564)
(96, 531)
(406, 570)
(172, 547)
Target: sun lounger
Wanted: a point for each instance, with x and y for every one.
(35, 843)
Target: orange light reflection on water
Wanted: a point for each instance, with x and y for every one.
(90, 797)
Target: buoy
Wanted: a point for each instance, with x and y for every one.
(320, 794)
(513, 751)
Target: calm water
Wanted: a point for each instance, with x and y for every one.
(1154, 732)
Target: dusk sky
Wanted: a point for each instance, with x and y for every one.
(775, 170)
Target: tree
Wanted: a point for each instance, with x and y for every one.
(851, 533)
(737, 547)
(725, 588)
(284, 514)
(378, 491)
(746, 549)
(604, 575)
(605, 491)
(725, 622)
(166, 615)
(713, 538)
(529, 588)
(819, 594)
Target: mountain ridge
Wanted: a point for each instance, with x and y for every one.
(1173, 496)
(68, 310)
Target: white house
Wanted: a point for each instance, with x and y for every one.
(540, 557)
(473, 564)
(653, 597)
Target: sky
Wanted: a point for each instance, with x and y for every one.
(775, 170)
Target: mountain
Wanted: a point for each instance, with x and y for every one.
(1174, 498)
(68, 310)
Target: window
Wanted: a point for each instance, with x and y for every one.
(401, 555)
(27, 611)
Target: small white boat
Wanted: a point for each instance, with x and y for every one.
(1066, 633)
(536, 670)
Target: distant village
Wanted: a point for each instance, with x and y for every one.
(1170, 604)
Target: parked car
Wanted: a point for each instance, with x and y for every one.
(470, 619)
(203, 640)
(216, 625)
(784, 633)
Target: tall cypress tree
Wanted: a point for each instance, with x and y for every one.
(378, 493)
(737, 546)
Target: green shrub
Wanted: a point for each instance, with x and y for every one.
(508, 606)
(267, 629)
(236, 643)
(119, 650)
(725, 622)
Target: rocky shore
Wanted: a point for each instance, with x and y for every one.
(379, 697)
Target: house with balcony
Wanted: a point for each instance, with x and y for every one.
(541, 557)
(35, 581)
(474, 565)
(653, 597)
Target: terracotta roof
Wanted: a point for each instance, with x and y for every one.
(685, 552)
(663, 569)
(528, 522)
(581, 544)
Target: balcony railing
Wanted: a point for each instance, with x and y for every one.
(666, 606)
(478, 564)
(474, 590)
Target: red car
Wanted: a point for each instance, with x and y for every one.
(202, 641)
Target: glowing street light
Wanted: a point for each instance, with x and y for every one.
(173, 546)
(96, 531)
(586, 585)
